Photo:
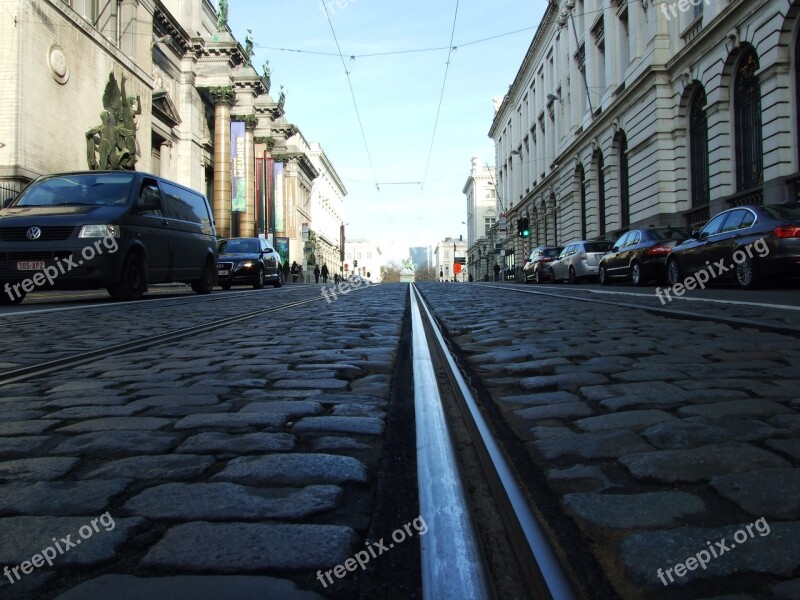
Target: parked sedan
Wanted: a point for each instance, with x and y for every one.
(745, 244)
(578, 260)
(536, 267)
(248, 261)
(641, 255)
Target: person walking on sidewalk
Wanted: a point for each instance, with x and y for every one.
(316, 274)
(324, 273)
(496, 272)
(295, 271)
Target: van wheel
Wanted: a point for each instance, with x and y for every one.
(12, 297)
(259, 283)
(205, 284)
(133, 282)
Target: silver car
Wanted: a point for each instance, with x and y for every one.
(578, 260)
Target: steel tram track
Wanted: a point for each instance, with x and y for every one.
(45, 368)
(443, 558)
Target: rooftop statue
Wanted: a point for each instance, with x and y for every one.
(248, 46)
(222, 16)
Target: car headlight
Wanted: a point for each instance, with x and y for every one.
(99, 231)
(246, 264)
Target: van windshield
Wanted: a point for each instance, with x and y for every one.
(92, 189)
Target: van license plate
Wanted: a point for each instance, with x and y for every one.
(30, 265)
(223, 272)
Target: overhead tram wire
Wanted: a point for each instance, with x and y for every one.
(441, 96)
(353, 96)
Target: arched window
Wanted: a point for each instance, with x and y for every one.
(698, 148)
(624, 198)
(601, 195)
(747, 98)
(582, 184)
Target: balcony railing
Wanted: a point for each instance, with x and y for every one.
(697, 217)
(752, 196)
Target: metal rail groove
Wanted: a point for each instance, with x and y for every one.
(543, 574)
(45, 368)
(665, 312)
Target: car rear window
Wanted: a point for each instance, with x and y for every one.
(783, 211)
(676, 233)
(597, 246)
(551, 252)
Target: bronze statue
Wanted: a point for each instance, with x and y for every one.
(222, 16)
(112, 145)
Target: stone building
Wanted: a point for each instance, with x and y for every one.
(447, 253)
(367, 254)
(327, 211)
(636, 113)
(482, 212)
(181, 78)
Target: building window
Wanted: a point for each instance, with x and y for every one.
(599, 35)
(580, 59)
(749, 149)
(601, 196)
(698, 148)
(488, 223)
(579, 173)
(624, 198)
(624, 44)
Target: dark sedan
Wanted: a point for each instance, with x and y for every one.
(248, 261)
(536, 266)
(641, 255)
(745, 244)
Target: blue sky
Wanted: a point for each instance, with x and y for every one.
(397, 97)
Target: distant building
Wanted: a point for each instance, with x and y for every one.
(482, 211)
(327, 210)
(368, 257)
(448, 252)
(420, 256)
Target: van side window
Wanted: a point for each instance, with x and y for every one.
(149, 189)
(185, 205)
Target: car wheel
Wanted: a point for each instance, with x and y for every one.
(205, 284)
(537, 276)
(636, 275)
(133, 282)
(572, 276)
(602, 276)
(747, 276)
(225, 286)
(552, 276)
(12, 297)
(674, 275)
(259, 283)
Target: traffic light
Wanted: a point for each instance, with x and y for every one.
(523, 227)
(355, 263)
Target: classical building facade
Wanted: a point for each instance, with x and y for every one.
(447, 253)
(482, 211)
(636, 113)
(367, 254)
(327, 211)
(169, 78)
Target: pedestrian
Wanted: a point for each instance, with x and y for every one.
(300, 273)
(441, 275)
(316, 274)
(285, 271)
(496, 272)
(296, 271)
(324, 273)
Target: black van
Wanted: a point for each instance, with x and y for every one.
(115, 229)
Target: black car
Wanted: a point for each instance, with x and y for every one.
(536, 267)
(745, 244)
(248, 261)
(640, 255)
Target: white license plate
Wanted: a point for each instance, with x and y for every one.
(223, 272)
(30, 265)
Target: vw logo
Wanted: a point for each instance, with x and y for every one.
(33, 233)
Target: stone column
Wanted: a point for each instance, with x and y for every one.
(166, 154)
(223, 99)
(247, 225)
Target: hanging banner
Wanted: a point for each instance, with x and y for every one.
(238, 168)
(277, 193)
(282, 248)
(260, 197)
(269, 203)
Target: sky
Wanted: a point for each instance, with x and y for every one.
(420, 175)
